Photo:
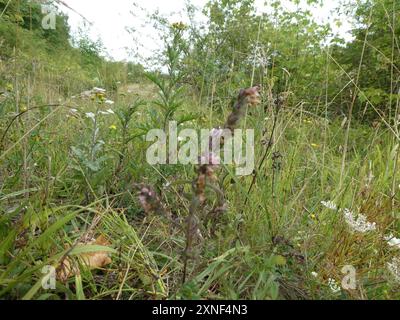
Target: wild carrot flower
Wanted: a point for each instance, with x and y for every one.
(394, 268)
(359, 223)
(109, 102)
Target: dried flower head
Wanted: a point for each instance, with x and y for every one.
(150, 201)
(253, 96)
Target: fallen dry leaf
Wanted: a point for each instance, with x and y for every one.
(92, 260)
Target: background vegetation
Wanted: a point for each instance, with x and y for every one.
(75, 187)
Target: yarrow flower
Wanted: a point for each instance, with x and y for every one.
(98, 90)
(95, 93)
(329, 204)
(107, 112)
(394, 268)
(109, 102)
(360, 223)
(90, 115)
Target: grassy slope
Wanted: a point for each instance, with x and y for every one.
(50, 210)
(266, 249)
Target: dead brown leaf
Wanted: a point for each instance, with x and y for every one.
(92, 260)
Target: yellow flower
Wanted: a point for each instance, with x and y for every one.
(113, 127)
(314, 145)
(100, 95)
(313, 216)
(9, 87)
(179, 26)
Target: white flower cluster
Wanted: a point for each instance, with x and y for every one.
(107, 112)
(394, 268)
(358, 223)
(392, 241)
(95, 91)
(92, 116)
(259, 56)
(89, 93)
(98, 90)
(329, 204)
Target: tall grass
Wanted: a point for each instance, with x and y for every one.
(66, 178)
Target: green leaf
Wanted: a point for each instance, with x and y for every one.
(90, 248)
(80, 295)
(279, 260)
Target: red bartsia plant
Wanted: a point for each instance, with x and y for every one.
(205, 179)
(247, 97)
(206, 173)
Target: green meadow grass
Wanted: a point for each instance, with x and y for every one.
(280, 243)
